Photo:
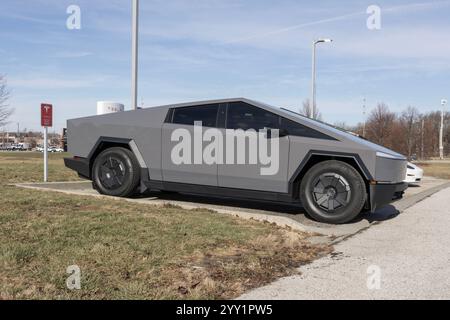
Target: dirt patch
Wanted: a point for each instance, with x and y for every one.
(226, 273)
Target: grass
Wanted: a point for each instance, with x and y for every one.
(130, 251)
(437, 169)
(16, 167)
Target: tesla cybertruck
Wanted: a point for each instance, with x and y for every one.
(333, 174)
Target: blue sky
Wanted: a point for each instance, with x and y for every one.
(206, 49)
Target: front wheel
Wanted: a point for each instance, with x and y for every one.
(333, 192)
(116, 172)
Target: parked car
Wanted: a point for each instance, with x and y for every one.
(414, 174)
(50, 149)
(15, 147)
(334, 175)
(23, 146)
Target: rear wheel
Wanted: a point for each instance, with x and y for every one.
(116, 172)
(333, 192)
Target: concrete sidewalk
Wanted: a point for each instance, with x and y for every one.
(411, 251)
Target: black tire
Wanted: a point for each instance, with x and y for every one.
(333, 192)
(116, 172)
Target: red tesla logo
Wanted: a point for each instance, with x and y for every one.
(46, 115)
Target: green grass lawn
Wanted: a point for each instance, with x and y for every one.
(130, 251)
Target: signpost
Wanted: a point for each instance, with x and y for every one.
(46, 121)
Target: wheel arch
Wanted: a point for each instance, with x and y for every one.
(104, 143)
(314, 157)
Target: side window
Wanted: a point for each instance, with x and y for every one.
(297, 129)
(244, 116)
(188, 115)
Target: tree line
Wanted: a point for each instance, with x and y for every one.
(410, 132)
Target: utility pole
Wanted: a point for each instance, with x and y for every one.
(134, 54)
(441, 131)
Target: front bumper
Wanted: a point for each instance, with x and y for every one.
(80, 165)
(383, 194)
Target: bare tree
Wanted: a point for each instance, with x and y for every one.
(343, 125)
(431, 133)
(447, 133)
(380, 125)
(308, 112)
(5, 111)
(409, 126)
(407, 133)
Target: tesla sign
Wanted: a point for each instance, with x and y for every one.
(46, 115)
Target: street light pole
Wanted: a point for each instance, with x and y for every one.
(312, 101)
(134, 54)
(313, 77)
(441, 131)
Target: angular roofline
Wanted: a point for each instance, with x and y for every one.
(206, 102)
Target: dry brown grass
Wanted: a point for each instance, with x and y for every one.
(436, 169)
(131, 251)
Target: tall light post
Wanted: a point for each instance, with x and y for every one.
(134, 53)
(441, 131)
(313, 84)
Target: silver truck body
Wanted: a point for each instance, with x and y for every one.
(147, 133)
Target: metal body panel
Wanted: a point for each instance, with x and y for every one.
(150, 139)
(248, 176)
(390, 170)
(202, 174)
(302, 147)
(141, 126)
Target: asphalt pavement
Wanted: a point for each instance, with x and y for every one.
(403, 258)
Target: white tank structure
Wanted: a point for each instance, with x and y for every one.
(105, 107)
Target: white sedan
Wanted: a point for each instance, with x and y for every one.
(414, 174)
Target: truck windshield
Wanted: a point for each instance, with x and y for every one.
(324, 123)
